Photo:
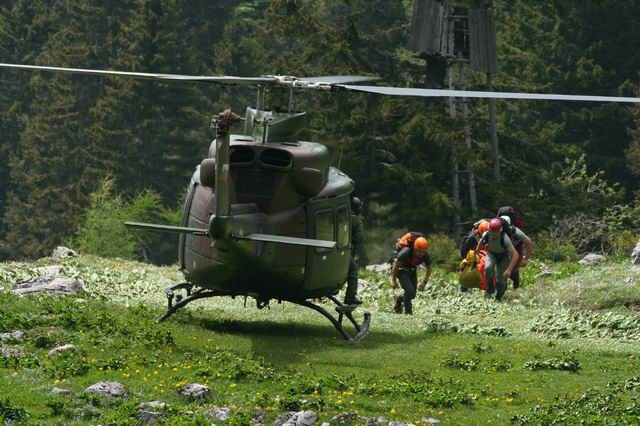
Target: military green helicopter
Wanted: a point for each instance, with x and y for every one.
(266, 215)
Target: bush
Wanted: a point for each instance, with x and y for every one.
(103, 232)
(444, 252)
(550, 248)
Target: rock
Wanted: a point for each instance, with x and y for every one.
(380, 421)
(259, 417)
(283, 418)
(11, 352)
(61, 252)
(400, 424)
(60, 391)
(343, 418)
(15, 336)
(60, 349)
(382, 267)
(59, 286)
(591, 258)
(194, 391)
(153, 405)
(302, 418)
(221, 414)
(430, 421)
(150, 417)
(53, 270)
(635, 255)
(545, 272)
(109, 389)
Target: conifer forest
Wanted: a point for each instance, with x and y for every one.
(73, 145)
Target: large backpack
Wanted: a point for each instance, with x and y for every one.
(509, 211)
(407, 240)
(468, 242)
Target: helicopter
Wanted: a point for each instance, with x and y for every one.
(266, 216)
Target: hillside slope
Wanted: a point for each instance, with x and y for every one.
(565, 348)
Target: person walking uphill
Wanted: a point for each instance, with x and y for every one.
(501, 257)
(405, 269)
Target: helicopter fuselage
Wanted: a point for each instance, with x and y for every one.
(283, 189)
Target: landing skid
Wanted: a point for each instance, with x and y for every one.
(342, 310)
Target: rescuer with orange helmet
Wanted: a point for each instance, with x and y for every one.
(501, 257)
(405, 268)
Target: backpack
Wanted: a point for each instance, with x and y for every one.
(509, 211)
(407, 240)
(468, 242)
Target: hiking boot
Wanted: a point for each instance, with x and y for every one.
(397, 307)
(353, 301)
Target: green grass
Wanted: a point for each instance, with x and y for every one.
(543, 355)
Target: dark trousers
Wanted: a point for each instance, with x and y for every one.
(409, 283)
(352, 280)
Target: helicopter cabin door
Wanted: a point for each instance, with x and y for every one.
(329, 219)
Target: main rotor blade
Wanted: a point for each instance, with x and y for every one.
(340, 79)
(288, 240)
(435, 93)
(152, 76)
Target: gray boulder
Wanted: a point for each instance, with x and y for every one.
(60, 349)
(11, 352)
(222, 414)
(591, 258)
(60, 391)
(343, 418)
(59, 286)
(194, 391)
(302, 418)
(150, 417)
(61, 252)
(382, 267)
(108, 389)
(16, 336)
(259, 417)
(283, 418)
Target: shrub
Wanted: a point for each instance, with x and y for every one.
(444, 252)
(103, 232)
(550, 248)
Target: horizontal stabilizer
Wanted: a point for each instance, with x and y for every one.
(168, 228)
(288, 240)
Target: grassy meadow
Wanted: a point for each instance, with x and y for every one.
(563, 349)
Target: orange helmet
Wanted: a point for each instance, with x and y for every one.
(421, 244)
(483, 227)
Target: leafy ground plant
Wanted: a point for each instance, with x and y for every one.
(457, 358)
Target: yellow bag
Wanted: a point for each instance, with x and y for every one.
(468, 273)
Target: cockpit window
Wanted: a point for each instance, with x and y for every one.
(344, 228)
(324, 226)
